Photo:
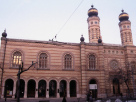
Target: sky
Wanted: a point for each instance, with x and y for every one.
(43, 19)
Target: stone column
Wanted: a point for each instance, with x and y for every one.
(83, 85)
(58, 95)
(14, 90)
(36, 90)
(25, 91)
(47, 90)
(68, 95)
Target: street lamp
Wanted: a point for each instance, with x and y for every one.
(20, 71)
(6, 92)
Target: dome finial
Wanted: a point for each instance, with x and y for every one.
(122, 10)
(5, 30)
(92, 5)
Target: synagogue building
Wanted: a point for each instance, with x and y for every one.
(72, 69)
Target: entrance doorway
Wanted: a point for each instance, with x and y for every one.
(42, 88)
(72, 88)
(52, 88)
(63, 88)
(31, 88)
(8, 88)
(116, 86)
(93, 88)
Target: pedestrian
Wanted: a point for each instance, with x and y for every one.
(64, 99)
(90, 98)
(121, 95)
(88, 95)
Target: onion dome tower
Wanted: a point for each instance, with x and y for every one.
(93, 25)
(125, 29)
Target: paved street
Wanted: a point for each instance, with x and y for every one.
(44, 100)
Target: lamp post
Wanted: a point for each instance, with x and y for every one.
(20, 71)
(6, 92)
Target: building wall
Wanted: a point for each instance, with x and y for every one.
(80, 73)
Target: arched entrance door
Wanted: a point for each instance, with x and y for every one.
(8, 88)
(52, 88)
(22, 88)
(72, 88)
(42, 88)
(31, 88)
(63, 88)
(116, 86)
(93, 88)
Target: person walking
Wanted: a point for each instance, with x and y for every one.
(64, 99)
(90, 97)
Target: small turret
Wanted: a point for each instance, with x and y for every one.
(4, 34)
(82, 39)
(99, 40)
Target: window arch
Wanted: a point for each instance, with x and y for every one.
(43, 60)
(68, 61)
(17, 58)
(92, 62)
(126, 36)
(129, 36)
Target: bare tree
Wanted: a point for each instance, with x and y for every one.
(121, 75)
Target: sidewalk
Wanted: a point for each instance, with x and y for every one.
(43, 100)
(112, 99)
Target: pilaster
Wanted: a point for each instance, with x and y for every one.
(25, 91)
(83, 69)
(47, 90)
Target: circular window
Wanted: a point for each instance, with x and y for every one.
(114, 64)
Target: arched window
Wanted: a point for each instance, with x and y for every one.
(67, 61)
(43, 60)
(92, 34)
(92, 62)
(129, 36)
(126, 36)
(122, 38)
(17, 57)
(96, 33)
